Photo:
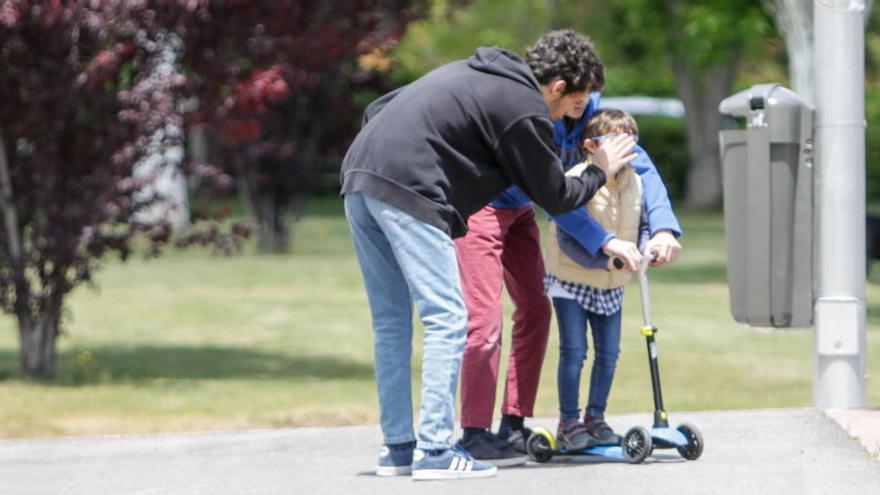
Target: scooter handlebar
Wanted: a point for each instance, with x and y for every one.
(619, 264)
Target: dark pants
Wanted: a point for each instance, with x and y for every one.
(572, 319)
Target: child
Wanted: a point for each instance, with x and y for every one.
(585, 289)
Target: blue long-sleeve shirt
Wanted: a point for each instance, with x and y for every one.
(578, 223)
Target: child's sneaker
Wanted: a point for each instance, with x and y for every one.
(599, 429)
(489, 448)
(449, 464)
(395, 460)
(572, 435)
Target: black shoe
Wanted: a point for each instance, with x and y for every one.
(517, 440)
(488, 448)
(599, 429)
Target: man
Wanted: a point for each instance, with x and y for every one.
(428, 156)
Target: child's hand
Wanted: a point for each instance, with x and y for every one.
(614, 153)
(666, 246)
(628, 252)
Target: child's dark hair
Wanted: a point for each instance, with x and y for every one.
(569, 56)
(610, 120)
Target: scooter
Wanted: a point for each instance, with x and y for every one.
(637, 443)
(685, 438)
(633, 448)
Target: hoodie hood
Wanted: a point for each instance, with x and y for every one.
(504, 63)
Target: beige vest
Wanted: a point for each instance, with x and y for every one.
(617, 206)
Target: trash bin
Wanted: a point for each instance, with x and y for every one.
(768, 206)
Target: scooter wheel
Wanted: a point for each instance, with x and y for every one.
(694, 447)
(637, 445)
(539, 447)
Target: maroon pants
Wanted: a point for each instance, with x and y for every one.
(502, 245)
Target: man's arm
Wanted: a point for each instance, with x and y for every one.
(525, 154)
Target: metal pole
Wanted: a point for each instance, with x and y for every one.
(839, 372)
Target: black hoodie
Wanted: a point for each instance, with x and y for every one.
(445, 145)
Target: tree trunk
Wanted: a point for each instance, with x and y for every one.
(274, 174)
(9, 214)
(701, 90)
(37, 337)
(794, 19)
(165, 154)
(273, 229)
(270, 211)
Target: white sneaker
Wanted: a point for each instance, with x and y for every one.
(454, 463)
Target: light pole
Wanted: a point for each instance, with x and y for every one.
(839, 371)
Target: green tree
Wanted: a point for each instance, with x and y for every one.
(703, 43)
(455, 28)
(659, 47)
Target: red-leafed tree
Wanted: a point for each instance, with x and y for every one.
(87, 89)
(297, 112)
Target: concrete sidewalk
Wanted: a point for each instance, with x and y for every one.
(789, 451)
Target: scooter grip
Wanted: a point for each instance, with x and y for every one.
(619, 264)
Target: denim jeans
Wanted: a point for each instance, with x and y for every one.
(572, 319)
(406, 261)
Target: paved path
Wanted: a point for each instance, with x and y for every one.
(786, 452)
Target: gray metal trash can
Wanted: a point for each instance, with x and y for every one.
(768, 207)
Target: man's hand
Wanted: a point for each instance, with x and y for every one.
(666, 246)
(628, 252)
(614, 153)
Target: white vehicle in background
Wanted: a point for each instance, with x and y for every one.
(645, 105)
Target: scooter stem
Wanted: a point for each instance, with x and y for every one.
(643, 287)
(648, 330)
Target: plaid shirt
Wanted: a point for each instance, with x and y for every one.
(599, 301)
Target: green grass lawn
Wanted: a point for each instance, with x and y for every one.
(196, 341)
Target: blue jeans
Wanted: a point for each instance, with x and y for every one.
(406, 261)
(572, 319)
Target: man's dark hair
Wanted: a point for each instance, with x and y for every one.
(569, 56)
